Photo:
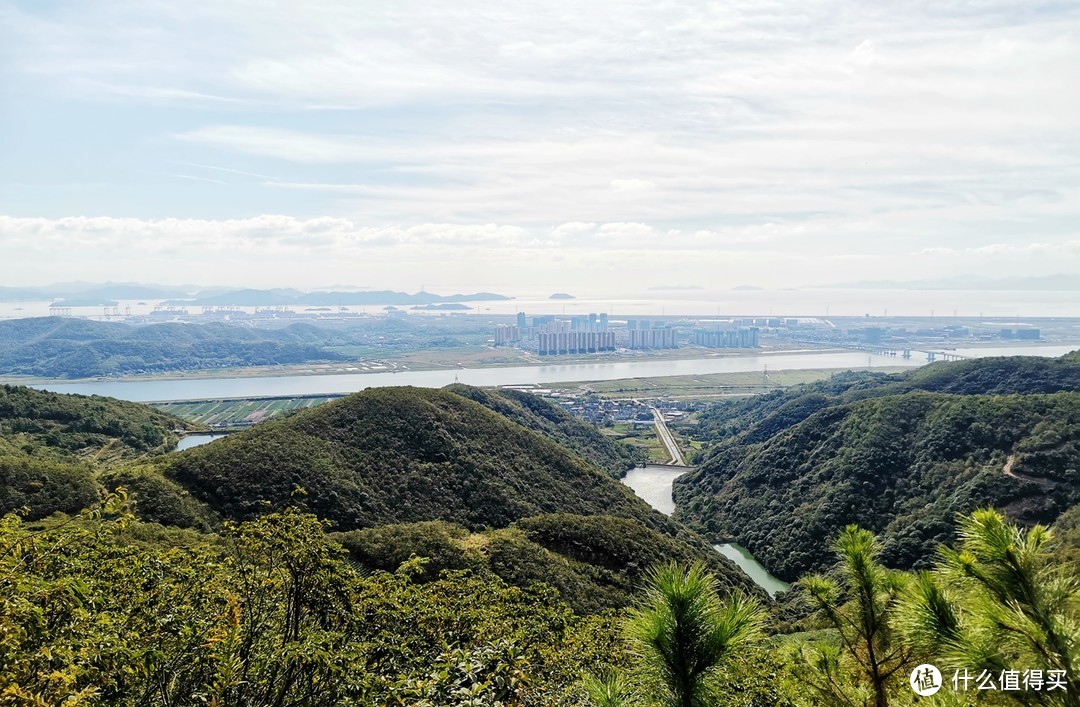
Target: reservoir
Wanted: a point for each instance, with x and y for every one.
(653, 485)
(746, 562)
(189, 441)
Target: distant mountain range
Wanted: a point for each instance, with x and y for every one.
(1059, 282)
(98, 293)
(253, 298)
(79, 294)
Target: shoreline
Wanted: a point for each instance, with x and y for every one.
(540, 370)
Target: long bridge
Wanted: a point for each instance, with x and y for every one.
(905, 352)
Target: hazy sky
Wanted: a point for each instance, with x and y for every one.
(581, 146)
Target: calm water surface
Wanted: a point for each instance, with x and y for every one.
(196, 440)
(746, 562)
(653, 484)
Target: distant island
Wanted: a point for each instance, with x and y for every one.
(747, 288)
(561, 295)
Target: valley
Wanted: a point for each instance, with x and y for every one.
(400, 495)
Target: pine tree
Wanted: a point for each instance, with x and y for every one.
(1001, 603)
(683, 633)
(861, 603)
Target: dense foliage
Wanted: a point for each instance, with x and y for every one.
(270, 613)
(41, 484)
(540, 415)
(794, 467)
(758, 418)
(84, 425)
(43, 479)
(100, 609)
(595, 562)
(392, 456)
(457, 555)
(397, 455)
(53, 447)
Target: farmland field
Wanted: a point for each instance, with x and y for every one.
(238, 413)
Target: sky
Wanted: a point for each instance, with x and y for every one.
(598, 147)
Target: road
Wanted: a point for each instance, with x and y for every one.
(668, 439)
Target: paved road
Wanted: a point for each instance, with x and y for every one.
(667, 438)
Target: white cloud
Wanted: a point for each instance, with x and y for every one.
(820, 130)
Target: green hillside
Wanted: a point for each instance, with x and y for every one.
(596, 562)
(553, 608)
(755, 419)
(399, 455)
(394, 456)
(539, 415)
(63, 347)
(55, 448)
(881, 451)
(386, 456)
(85, 426)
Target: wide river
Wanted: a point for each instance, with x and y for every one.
(653, 485)
(297, 385)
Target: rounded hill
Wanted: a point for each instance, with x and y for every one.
(398, 455)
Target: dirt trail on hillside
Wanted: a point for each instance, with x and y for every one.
(1045, 483)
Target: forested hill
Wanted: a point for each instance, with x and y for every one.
(885, 452)
(501, 498)
(755, 419)
(395, 455)
(387, 459)
(63, 347)
(84, 425)
(53, 447)
(539, 415)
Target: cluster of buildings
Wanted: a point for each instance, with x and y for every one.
(731, 338)
(549, 335)
(643, 335)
